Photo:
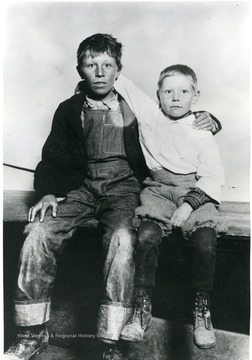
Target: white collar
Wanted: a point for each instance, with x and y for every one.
(188, 120)
(109, 104)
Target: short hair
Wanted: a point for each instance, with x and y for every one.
(97, 44)
(178, 68)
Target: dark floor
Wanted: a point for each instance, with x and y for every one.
(164, 340)
(78, 287)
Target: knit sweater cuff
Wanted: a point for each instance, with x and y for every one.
(197, 197)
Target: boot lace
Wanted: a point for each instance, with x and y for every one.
(201, 304)
(142, 306)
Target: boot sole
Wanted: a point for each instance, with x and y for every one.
(130, 340)
(206, 346)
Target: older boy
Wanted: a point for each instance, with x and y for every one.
(183, 190)
(92, 166)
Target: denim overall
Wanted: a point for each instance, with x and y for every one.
(110, 194)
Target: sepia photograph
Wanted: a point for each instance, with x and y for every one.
(126, 180)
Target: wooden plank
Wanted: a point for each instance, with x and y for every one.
(235, 207)
(17, 203)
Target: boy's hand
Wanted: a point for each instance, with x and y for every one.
(48, 201)
(203, 121)
(181, 214)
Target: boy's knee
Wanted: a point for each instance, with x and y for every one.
(126, 240)
(149, 232)
(36, 236)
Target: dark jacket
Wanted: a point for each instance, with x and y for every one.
(64, 157)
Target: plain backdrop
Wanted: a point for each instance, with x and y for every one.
(40, 44)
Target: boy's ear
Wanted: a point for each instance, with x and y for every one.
(196, 97)
(158, 96)
(118, 74)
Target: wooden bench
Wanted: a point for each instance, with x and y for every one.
(17, 203)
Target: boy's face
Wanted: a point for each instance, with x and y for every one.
(100, 73)
(177, 94)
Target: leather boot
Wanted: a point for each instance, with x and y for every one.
(140, 318)
(28, 343)
(203, 332)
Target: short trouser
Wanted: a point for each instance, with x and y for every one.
(164, 192)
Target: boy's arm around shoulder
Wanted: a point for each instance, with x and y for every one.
(206, 121)
(217, 125)
(148, 111)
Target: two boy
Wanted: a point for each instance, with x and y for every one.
(92, 167)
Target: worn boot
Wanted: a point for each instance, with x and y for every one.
(203, 332)
(28, 343)
(141, 317)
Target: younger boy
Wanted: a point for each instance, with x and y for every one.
(183, 190)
